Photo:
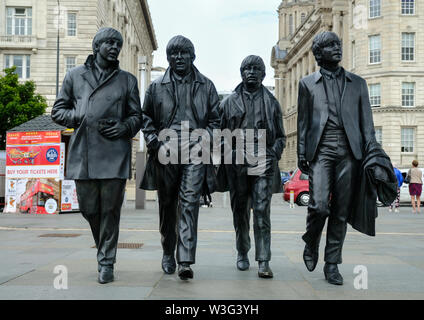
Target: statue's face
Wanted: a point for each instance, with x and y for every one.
(332, 50)
(180, 61)
(109, 50)
(252, 75)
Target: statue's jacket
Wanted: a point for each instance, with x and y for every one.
(355, 113)
(81, 103)
(232, 112)
(159, 109)
(372, 185)
(358, 124)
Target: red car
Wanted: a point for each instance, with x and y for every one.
(299, 184)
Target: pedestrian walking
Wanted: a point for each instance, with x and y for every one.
(415, 186)
(399, 178)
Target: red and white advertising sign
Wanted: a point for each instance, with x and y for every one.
(33, 172)
(33, 155)
(33, 137)
(34, 161)
(35, 164)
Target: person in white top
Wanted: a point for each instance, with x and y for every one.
(415, 186)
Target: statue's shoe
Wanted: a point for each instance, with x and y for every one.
(264, 270)
(243, 261)
(332, 274)
(310, 257)
(106, 274)
(185, 272)
(168, 264)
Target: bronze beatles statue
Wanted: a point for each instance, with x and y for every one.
(252, 107)
(182, 95)
(336, 146)
(101, 103)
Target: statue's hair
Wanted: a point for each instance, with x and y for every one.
(319, 42)
(253, 60)
(104, 34)
(180, 42)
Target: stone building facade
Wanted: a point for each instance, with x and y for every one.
(28, 37)
(381, 43)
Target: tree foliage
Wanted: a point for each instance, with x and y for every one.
(18, 103)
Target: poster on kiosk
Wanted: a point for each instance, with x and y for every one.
(35, 174)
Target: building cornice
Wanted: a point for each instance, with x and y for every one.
(299, 28)
(296, 4)
(391, 74)
(398, 109)
(299, 45)
(149, 24)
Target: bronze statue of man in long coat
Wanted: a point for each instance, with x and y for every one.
(101, 103)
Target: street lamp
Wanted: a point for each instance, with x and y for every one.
(57, 50)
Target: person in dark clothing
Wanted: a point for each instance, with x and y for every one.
(182, 99)
(252, 107)
(334, 125)
(101, 103)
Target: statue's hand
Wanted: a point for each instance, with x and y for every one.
(380, 174)
(113, 129)
(153, 147)
(303, 165)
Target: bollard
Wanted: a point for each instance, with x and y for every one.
(291, 199)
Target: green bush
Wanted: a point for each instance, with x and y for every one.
(18, 103)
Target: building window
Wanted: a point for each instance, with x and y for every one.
(374, 8)
(408, 6)
(19, 21)
(22, 64)
(375, 49)
(408, 94)
(302, 17)
(407, 139)
(379, 135)
(291, 24)
(72, 24)
(375, 94)
(70, 62)
(408, 46)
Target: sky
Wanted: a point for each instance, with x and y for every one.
(223, 32)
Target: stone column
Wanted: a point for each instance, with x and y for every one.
(311, 62)
(293, 89)
(287, 85)
(140, 195)
(336, 23)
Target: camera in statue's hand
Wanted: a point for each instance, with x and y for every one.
(112, 128)
(303, 165)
